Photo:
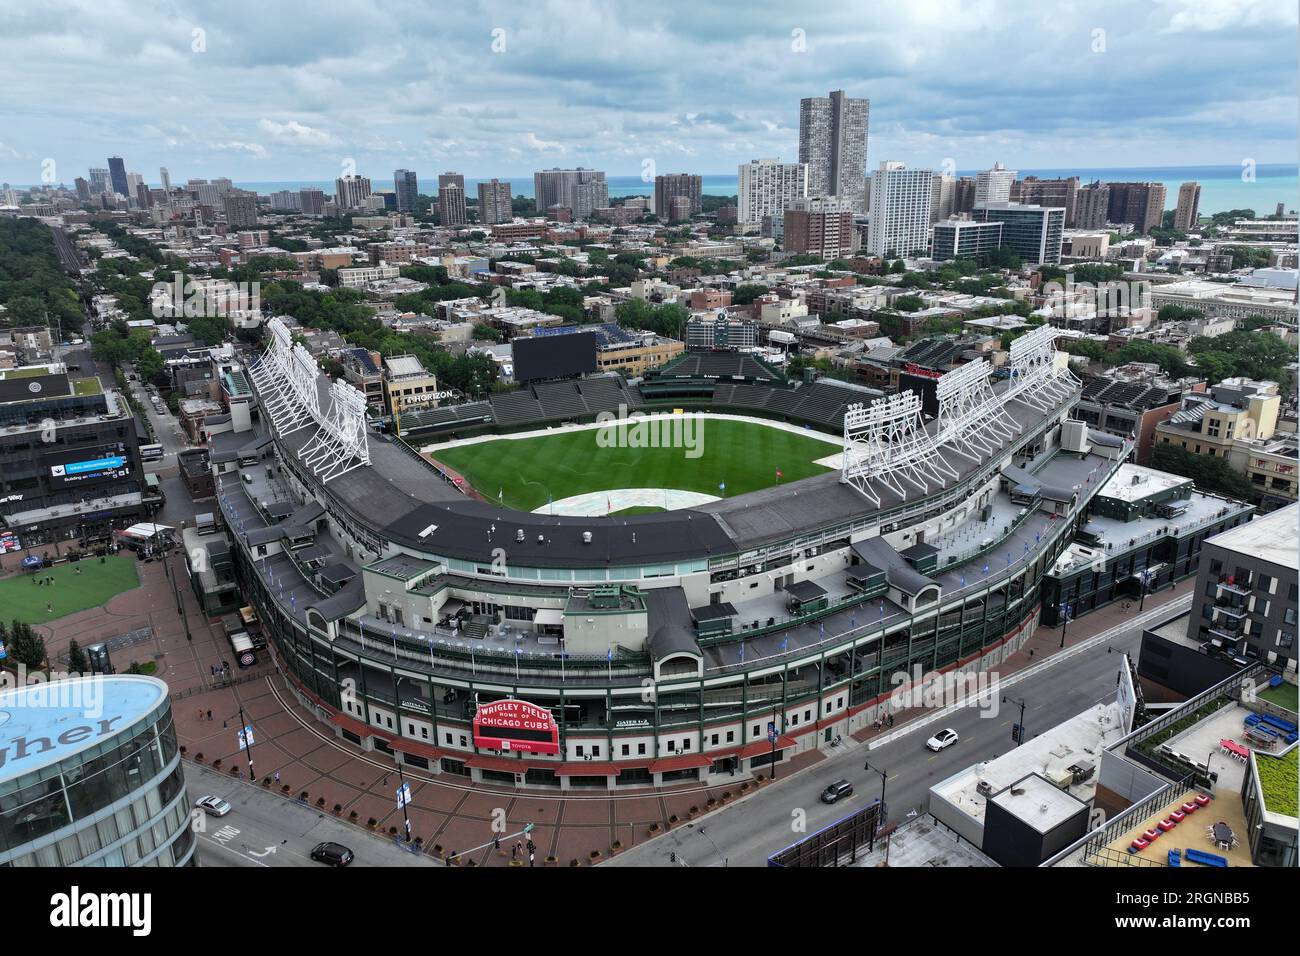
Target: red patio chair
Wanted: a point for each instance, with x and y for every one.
(1140, 844)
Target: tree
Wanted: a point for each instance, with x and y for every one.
(78, 663)
(26, 646)
(747, 292)
(1209, 474)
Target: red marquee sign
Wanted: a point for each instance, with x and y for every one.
(516, 725)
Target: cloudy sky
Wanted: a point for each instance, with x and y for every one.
(261, 90)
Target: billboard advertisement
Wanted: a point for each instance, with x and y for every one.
(88, 465)
(516, 725)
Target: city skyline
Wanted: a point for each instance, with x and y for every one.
(509, 90)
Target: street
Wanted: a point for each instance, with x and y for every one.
(747, 832)
(267, 829)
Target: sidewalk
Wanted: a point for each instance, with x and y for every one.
(1046, 643)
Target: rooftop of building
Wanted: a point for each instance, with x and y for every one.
(1272, 537)
(1136, 483)
(44, 724)
(1073, 743)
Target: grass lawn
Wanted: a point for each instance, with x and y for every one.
(71, 592)
(744, 455)
(1283, 695)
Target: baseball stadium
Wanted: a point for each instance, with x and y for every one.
(593, 583)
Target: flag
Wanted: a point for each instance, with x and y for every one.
(609, 655)
(963, 580)
(742, 653)
(784, 644)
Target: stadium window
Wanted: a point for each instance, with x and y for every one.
(595, 751)
(579, 750)
(755, 733)
(731, 736)
(640, 750)
(448, 738)
(626, 750)
(462, 740)
(713, 740)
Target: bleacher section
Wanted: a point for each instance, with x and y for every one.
(718, 365)
(447, 417)
(821, 404)
(576, 400)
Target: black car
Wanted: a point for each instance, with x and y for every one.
(840, 788)
(335, 854)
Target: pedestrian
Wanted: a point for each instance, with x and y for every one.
(496, 842)
(891, 720)
(49, 608)
(277, 776)
(514, 850)
(209, 715)
(531, 857)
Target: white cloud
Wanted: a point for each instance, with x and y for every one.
(294, 133)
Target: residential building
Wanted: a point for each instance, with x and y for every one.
(1187, 216)
(351, 192)
(1237, 422)
(900, 210)
(361, 369)
(311, 202)
(1141, 204)
(964, 239)
(819, 227)
(99, 180)
(1092, 206)
(943, 194)
(833, 145)
(671, 185)
(1033, 191)
(407, 386)
(494, 204)
(451, 204)
(364, 275)
(1245, 598)
(241, 209)
(407, 186)
(767, 186)
(1034, 233)
(559, 187)
(994, 185)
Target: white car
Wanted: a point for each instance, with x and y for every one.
(213, 806)
(944, 738)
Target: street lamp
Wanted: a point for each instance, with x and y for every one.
(714, 845)
(1065, 619)
(1144, 578)
(884, 775)
(1020, 737)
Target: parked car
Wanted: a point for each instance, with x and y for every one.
(213, 806)
(944, 738)
(335, 854)
(837, 790)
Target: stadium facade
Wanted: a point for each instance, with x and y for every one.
(662, 647)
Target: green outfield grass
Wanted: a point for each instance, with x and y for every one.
(744, 455)
(71, 592)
